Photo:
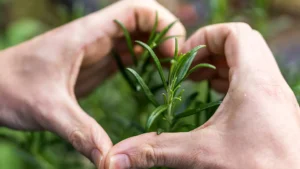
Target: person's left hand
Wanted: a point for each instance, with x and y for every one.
(38, 77)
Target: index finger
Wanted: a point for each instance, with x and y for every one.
(136, 15)
(244, 49)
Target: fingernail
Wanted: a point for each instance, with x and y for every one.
(96, 157)
(119, 162)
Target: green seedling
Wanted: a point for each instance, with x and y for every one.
(170, 87)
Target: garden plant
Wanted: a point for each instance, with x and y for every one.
(147, 65)
(153, 94)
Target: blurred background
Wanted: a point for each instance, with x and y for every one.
(277, 20)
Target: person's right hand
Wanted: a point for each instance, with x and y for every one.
(257, 125)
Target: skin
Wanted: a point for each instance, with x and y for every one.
(40, 80)
(256, 126)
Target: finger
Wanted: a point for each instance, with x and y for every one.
(136, 15)
(150, 150)
(245, 50)
(146, 13)
(83, 132)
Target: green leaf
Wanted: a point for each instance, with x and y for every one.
(123, 69)
(168, 38)
(156, 113)
(176, 48)
(157, 40)
(156, 61)
(172, 70)
(128, 40)
(184, 63)
(165, 31)
(153, 32)
(173, 61)
(145, 88)
(201, 108)
(202, 65)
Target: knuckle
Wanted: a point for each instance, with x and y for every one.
(86, 138)
(151, 156)
(77, 139)
(148, 153)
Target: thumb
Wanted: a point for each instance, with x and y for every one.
(81, 130)
(152, 150)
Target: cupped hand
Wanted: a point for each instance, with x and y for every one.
(257, 125)
(38, 77)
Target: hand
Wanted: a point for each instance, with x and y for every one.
(257, 125)
(37, 78)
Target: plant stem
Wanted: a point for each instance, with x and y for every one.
(170, 107)
(144, 58)
(170, 101)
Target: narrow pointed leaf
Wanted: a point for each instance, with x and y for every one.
(184, 66)
(185, 62)
(156, 61)
(163, 33)
(154, 115)
(197, 110)
(176, 48)
(202, 65)
(172, 70)
(145, 58)
(168, 38)
(128, 40)
(145, 88)
(195, 49)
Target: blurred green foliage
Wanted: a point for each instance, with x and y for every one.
(116, 110)
(23, 29)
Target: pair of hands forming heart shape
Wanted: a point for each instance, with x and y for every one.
(257, 125)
